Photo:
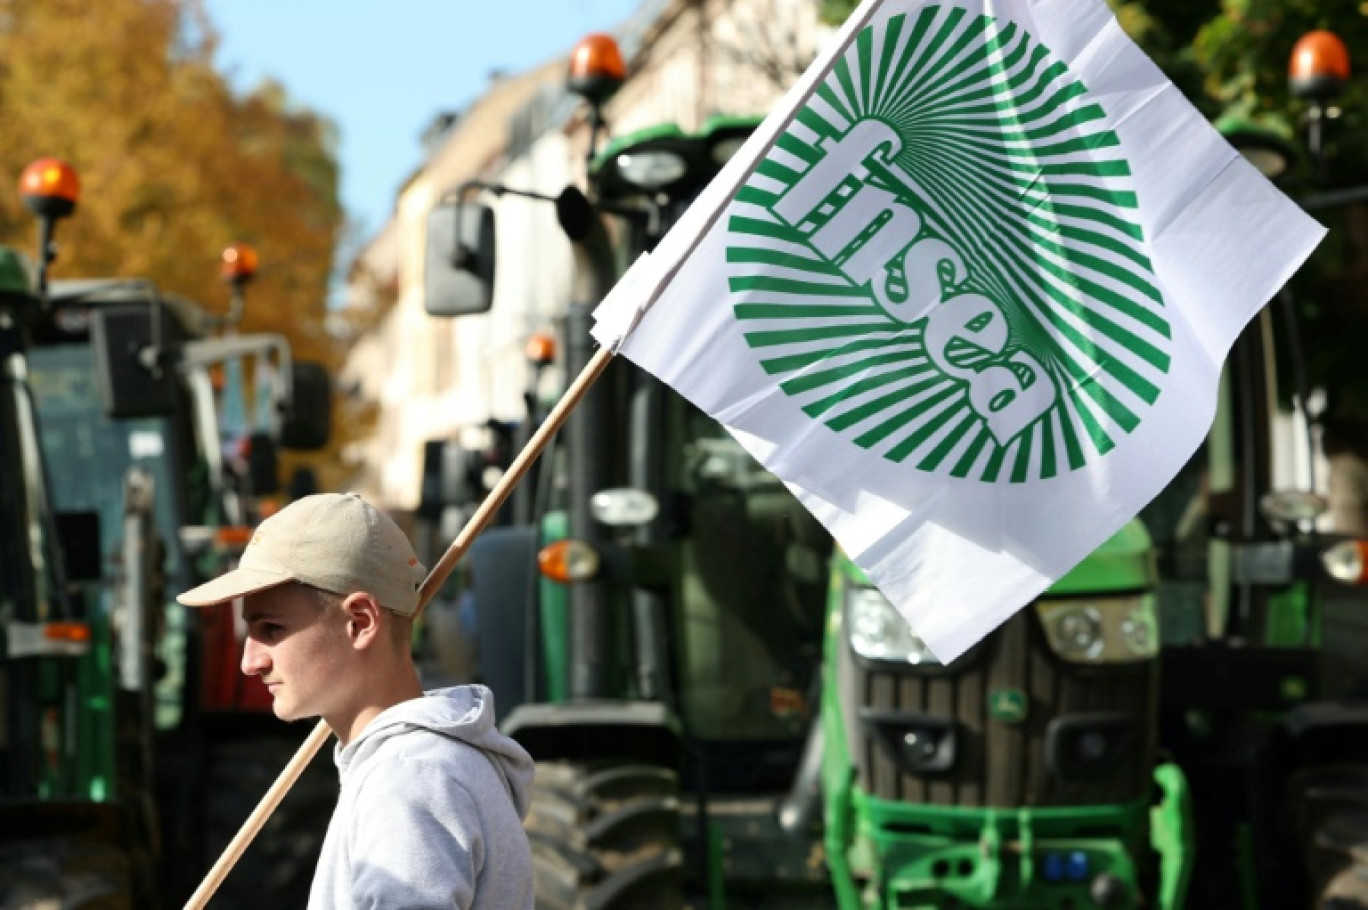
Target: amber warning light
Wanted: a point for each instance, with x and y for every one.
(541, 350)
(50, 188)
(568, 561)
(596, 68)
(1319, 67)
(238, 264)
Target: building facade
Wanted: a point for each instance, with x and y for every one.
(433, 379)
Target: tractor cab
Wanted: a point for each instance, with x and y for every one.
(127, 387)
(71, 815)
(133, 388)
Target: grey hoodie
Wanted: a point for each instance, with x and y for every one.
(430, 812)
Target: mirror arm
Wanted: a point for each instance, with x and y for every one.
(462, 256)
(1333, 199)
(459, 193)
(207, 352)
(499, 190)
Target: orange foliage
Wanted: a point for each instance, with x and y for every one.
(174, 166)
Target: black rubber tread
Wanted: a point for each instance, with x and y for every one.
(86, 876)
(608, 783)
(641, 885)
(1346, 891)
(625, 827)
(606, 837)
(1330, 821)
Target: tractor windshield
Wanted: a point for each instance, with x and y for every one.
(89, 456)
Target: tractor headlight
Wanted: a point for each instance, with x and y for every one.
(652, 169)
(877, 631)
(1345, 561)
(624, 507)
(1101, 630)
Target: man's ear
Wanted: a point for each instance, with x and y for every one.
(363, 619)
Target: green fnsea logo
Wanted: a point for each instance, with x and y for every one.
(940, 258)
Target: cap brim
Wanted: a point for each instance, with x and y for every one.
(232, 585)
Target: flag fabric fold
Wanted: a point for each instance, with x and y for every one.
(967, 292)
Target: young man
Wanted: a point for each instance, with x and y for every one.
(432, 797)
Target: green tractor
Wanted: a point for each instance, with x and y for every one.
(1023, 774)
(120, 384)
(104, 420)
(725, 712)
(663, 666)
(79, 829)
(1218, 634)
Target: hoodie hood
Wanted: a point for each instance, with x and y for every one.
(462, 713)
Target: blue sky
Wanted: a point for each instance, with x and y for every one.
(382, 70)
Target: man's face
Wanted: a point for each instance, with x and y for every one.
(297, 647)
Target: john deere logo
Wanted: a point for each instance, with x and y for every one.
(940, 258)
(1007, 706)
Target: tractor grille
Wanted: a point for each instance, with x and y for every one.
(1031, 762)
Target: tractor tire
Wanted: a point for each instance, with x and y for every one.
(1346, 891)
(605, 836)
(276, 870)
(68, 875)
(1330, 815)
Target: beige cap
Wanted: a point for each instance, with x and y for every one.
(334, 541)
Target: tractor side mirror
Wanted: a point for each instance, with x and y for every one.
(458, 262)
(307, 422)
(131, 381)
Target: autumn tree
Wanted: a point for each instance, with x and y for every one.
(174, 164)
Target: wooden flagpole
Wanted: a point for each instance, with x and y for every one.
(436, 577)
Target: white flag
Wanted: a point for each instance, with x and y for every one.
(967, 292)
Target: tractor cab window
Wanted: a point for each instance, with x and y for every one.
(88, 457)
(751, 626)
(76, 435)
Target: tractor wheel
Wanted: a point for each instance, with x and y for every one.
(70, 874)
(1346, 891)
(1330, 814)
(606, 837)
(276, 870)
